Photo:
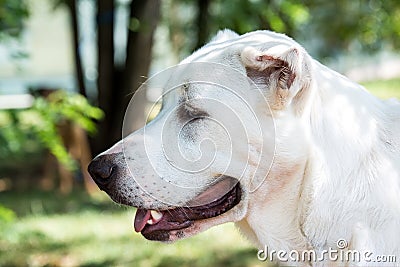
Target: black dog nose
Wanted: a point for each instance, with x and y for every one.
(101, 169)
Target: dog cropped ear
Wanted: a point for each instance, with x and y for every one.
(224, 35)
(283, 76)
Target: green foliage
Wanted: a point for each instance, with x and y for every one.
(7, 216)
(244, 16)
(333, 26)
(25, 131)
(74, 107)
(16, 141)
(384, 88)
(12, 16)
(363, 25)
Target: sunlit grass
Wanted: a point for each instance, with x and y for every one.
(100, 234)
(384, 88)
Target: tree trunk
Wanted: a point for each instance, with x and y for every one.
(138, 58)
(202, 22)
(77, 57)
(105, 81)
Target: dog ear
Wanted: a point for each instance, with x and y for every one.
(224, 35)
(283, 76)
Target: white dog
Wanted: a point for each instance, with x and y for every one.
(301, 157)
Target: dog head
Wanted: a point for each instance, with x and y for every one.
(216, 141)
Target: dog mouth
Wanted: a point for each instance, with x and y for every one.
(157, 224)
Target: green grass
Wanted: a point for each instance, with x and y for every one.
(52, 230)
(384, 88)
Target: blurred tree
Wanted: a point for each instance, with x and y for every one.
(73, 11)
(106, 72)
(25, 132)
(72, 6)
(117, 83)
(178, 17)
(13, 13)
(144, 17)
(240, 16)
(333, 26)
(22, 130)
(244, 16)
(203, 15)
(363, 25)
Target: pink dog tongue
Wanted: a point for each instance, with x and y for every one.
(141, 218)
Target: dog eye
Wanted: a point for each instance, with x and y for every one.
(195, 113)
(189, 113)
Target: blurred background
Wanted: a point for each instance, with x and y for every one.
(67, 71)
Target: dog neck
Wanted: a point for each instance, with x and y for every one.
(273, 218)
(352, 176)
(333, 180)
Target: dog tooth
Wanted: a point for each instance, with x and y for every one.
(150, 221)
(156, 215)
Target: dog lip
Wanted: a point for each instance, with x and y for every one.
(183, 217)
(141, 218)
(144, 217)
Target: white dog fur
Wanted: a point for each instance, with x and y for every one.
(335, 172)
